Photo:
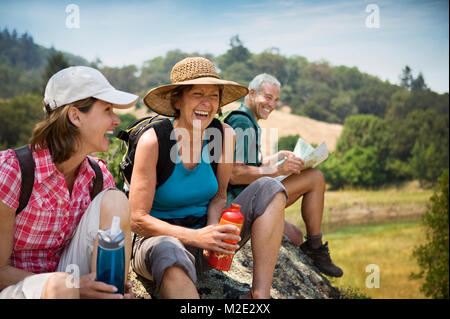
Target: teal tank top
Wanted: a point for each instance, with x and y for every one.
(186, 192)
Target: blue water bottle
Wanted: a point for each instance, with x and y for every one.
(111, 256)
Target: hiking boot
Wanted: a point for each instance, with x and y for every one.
(322, 260)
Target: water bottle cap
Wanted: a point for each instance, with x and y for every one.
(115, 226)
(235, 207)
(113, 237)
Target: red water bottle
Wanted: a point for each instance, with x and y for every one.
(232, 216)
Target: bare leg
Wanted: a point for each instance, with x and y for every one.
(311, 185)
(266, 241)
(115, 203)
(176, 284)
(294, 233)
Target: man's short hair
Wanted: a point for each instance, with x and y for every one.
(258, 80)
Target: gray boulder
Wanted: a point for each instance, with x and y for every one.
(295, 277)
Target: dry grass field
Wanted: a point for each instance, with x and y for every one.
(380, 227)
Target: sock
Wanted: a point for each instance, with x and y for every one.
(314, 241)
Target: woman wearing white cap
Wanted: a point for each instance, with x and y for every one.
(177, 220)
(55, 230)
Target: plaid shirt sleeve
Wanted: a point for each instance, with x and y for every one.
(10, 179)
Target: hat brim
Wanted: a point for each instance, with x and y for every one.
(119, 99)
(158, 99)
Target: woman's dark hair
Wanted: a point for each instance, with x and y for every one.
(57, 133)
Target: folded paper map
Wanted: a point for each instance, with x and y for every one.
(310, 155)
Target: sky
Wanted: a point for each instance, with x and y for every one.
(378, 37)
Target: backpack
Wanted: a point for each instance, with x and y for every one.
(163, 128)
(224, 117)
(26, 163)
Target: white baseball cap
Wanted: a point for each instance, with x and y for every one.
(80, 82)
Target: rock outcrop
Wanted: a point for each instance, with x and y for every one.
(295, 277)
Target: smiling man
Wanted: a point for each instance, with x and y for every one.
(261, 100)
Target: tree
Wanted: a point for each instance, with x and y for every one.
(342, 106)
(418, 83)
(432, 257)
(348, 78)
(364, 131)
(363, 167)
(430, 152)
(123, 78)
(406, 78)
(237, 53)
(374, 99)
(287, 143)
(356, 167)
(239, 72)
(55, 63)
(272, 63)
(19, 116)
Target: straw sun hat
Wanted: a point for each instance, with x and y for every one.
(190, 71)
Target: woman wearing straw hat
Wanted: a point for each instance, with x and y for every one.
(172, 253)
(55, 231)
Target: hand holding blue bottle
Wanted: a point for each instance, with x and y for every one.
(111, 256)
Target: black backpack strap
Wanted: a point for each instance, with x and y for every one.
(216, 124)
(235, 112)
(98, 179)
(165, 165)
(26, 163)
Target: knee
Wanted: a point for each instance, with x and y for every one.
(319, 179)
(281, 197)
(115, 203)
(60, 286)
(280, 201)
(175, 275)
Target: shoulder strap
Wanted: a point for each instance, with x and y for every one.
(216, 124)
(253, 124)
(164, 166)
(98, 179)
(26, 163)
(235, 112)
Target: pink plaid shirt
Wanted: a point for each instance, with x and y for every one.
(46, 226)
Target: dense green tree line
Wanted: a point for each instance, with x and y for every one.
(22, 63)
(391, 132)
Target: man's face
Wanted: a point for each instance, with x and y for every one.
(265, 101)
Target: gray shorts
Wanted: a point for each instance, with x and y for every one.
(152, 256)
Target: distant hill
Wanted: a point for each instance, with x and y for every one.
(312, 131)
(22, 63)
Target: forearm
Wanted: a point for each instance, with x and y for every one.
(244, 174)
(148, 226)
(215, 208)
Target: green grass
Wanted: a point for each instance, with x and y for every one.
(380, 227)
(389, 246)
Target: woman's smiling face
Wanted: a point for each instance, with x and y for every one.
(96, 123)
(200, 103)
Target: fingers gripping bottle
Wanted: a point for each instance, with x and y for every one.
(234, 217)
(111, 256)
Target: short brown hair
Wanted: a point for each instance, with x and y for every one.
(57, 132)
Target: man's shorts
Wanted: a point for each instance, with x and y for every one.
(76, 258)
(152, 256)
